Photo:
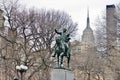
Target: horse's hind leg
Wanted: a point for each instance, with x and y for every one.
(61, 64)
(68, 61)
(58, 61)
(61, 59)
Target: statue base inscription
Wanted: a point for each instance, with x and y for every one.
(61, 74)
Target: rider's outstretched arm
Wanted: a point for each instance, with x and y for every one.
(57, 32)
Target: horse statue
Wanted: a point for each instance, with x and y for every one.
(62, 50)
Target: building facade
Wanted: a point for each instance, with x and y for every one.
(113, 40)
(83, 52)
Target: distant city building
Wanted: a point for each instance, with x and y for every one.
(88, 40)
(113, 40)
(111, 25)
(83, 49)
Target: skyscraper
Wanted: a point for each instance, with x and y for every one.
(88, 41)
(111, 25)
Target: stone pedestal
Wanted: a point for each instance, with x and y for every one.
(61, 74)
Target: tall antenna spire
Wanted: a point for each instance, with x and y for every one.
(88, 20)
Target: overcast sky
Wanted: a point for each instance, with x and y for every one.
(77, 9)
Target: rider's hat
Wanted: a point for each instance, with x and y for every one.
(64, 29)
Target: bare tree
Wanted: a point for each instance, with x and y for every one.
(29, 37)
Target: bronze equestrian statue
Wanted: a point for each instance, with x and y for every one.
(62, 47)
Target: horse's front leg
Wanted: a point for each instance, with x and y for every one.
(61, 59)
(58, 61)
(68, 61)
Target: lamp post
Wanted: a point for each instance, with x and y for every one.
(21, 69)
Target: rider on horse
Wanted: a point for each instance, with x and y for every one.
(65, 39)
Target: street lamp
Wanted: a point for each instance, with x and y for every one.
(21, 69)
(15, 78)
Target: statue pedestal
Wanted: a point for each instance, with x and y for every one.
(61, 74)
